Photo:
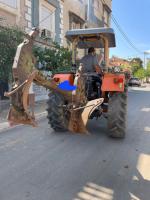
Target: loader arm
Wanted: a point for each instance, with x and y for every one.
(24, 73)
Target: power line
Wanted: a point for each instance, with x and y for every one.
(124, 35)
(45, 18)
(122, 32)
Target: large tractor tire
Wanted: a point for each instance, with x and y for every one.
(58, 117)
(117, 114)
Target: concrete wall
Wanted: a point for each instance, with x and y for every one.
(7, 18)
(20, 16)
(109, 3)
(95, 13)
(40, 92)
(90, 12)
(58, 4)
(76, 7)
(26, 11)
(14, 16)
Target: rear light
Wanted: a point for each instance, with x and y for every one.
(118, 80)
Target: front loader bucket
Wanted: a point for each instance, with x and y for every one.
(80, 116)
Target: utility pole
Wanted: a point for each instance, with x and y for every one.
(88, 10)
(144, 61)
(145, 53)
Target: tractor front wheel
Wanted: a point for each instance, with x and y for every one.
(117, 113)
(57, 114)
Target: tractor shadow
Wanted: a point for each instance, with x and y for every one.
(98, 127)
(94, 128)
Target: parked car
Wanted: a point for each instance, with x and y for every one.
(134, 82)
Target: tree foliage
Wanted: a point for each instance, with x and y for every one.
(136, 64)
(140, 73)
(9, 40)
(55, 59)
(147, 73)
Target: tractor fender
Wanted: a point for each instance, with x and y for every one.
(113, 82)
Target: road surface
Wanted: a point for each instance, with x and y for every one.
(36, 164)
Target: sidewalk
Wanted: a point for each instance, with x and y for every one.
(145, 87)
(40, 107)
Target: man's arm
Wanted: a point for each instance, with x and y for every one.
(96, 66)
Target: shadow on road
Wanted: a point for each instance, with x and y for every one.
(127, 176)
(39, 164)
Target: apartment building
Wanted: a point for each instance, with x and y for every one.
(48, 15)
(55, 16)
(115, 61)
(74, 17)
(15, 12)
(85, 14)
(98, 13)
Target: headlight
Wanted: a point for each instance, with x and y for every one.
(116, 69)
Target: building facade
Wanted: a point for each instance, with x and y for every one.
(86, 14)
(98, 13)
(48, 16)
(55, 17)
(115, 61)
(45, 14)
(15, 13)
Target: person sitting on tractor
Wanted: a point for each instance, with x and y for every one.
(90, 62)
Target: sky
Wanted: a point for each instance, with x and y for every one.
(134, 18)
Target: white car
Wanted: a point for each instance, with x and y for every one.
(135, 82)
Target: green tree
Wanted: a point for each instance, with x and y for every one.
(136, 64)
(55, 59)
(148, 65)
(9, 40)
(140, 73)
(147, 72)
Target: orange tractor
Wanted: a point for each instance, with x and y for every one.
(94, 96)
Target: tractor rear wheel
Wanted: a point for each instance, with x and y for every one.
(58, 117)
(117, 113)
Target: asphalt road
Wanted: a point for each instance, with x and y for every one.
(36, 164)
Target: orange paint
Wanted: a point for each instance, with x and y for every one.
(64, 77)
(113, 82)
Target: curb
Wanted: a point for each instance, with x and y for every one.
(4, 126)
(5, 104)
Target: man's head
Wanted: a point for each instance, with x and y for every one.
(91, 50)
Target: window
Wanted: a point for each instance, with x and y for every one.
(48, 17)
(75, 25)
(11, 3)
(75, 22)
